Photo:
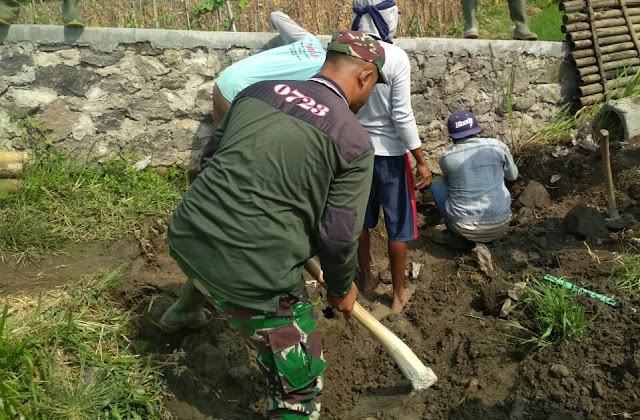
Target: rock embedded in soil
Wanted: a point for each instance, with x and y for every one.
(494, 295)
(482, 256)
(385, 276)
(534, 195)
(598, 390)
(586, 222)
(560, 371)
(524, 216)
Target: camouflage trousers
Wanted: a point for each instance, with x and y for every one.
(288, 350)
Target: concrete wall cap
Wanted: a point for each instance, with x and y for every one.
(109, 38)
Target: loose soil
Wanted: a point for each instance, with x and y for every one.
(452, 323)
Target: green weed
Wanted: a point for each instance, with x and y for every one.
(505, 88)
(66, 355)
(64, 200)
(557, 128)
(547, 314)
(626, 273)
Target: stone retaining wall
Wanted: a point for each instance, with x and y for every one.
(101, 90)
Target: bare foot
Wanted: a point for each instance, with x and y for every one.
(405, 296)
(369, 283)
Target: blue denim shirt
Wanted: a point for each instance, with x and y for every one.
(475, 169)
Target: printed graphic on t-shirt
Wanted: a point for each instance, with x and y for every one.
(304, 50)
(301, 100)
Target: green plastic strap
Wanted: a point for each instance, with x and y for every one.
(583, 291)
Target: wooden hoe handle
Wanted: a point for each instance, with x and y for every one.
(421, 377)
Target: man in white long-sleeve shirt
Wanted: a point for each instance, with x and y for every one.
(389, 120)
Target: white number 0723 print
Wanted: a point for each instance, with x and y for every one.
(304, 101)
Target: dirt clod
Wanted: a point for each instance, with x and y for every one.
(494, 295)
(598, 390)
(560, 370)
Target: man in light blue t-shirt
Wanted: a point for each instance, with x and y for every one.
(300, 59)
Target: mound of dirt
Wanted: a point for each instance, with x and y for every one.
(452, 323)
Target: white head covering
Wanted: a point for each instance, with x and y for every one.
(367, 25)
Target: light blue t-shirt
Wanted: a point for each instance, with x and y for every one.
(300, 60)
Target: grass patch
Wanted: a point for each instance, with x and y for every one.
(547, 24)
(546, 313)
(493, 20)
(626, 273)
(64, 200)
(66, 355)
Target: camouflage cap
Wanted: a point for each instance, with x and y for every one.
(360, 45)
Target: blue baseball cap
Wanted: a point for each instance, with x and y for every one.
(462, 124)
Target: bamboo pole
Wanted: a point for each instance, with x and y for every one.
(596, 44)
(591, 78)
(581, 44)
(11, 157)
(610, 85)
(606, 58)
(585, 71)
(613, 65)
(584, 62)
(578, 5)
(629, 19)
(604, 23)
(601, 33)
(10, 169)
(605, 50)
(611, 72)
(592, 99)
(607, 14)
(10, 184)
(610, 75)
(609, 40)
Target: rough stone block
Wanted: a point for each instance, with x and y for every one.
(117, 83)
(101, 59)
(111, 120)
(237, 54)
(27, 101)
(435, 66)
(586, 222)
(66, 80)
(60, 119)
(84, 127)
(70, 57)
(155, 107)
(523, 103)
(14, 62)
(534, 195)
(454, 83)
(550, 93)
(426, 108)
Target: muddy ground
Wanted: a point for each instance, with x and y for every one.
(451, 323)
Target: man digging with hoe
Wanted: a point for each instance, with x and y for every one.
(286, 176)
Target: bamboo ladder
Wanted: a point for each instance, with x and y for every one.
(603, 35)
